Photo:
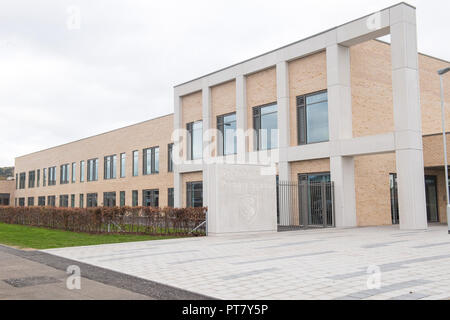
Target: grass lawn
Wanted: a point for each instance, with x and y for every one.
(40, 238)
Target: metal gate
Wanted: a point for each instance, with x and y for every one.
(305, 205)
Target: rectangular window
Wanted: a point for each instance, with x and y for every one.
(135, 163)
(22, 180)
(195, 140)
(74, 169)
(227, 140)
(194, 194)
(135, 200)
(170, 157)
(312, 118)
(150, 198)
(265, 124)
(21, 202)
(122, 164)
(31, 178)
(109, 199)
(122, 198)
(82, 171)
(44, 177)
(38, 181)
(17, 181)
(81, 200)
(64, 200)
(41, 201)
(170, 198)
(150, 161)
(72, 201)
(64, 174)
(51, 201)
(110, 167)
(30, 201)
(52, 176)
(92, 170)
(91, 200)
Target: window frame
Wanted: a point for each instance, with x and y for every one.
(257, 117)
(302, 122)
(112, 172)
(221, 128)
(154, 168)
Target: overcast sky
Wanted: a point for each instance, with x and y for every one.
(64, 78)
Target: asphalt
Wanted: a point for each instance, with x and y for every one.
(36, 275)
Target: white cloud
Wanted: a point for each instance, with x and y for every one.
(58, 85)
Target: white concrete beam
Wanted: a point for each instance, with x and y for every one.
(241, 116)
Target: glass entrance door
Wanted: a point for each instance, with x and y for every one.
(432, 199)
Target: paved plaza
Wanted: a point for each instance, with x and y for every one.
(313, 264)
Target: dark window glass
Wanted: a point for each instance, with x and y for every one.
(22, 180)
(21, 202)
(150, 198)
(74, 170)
(194, 194)
(109, 199)
(52, 176)
(92, 170)
(81, 200)
(38, 180)
(72, 201)
(122, 165)
(135, 200)
(64, 200)
(91, 200)
(51, 201)
(170, 198)
(17, 181)
(31, 179)
(312, 118)
(135, 163)
(82, 171)
(122, 198)
(195, 140)
(64, 174)
(227, 140)
(41, 201)
(265, 123)
(150, 161)
(110, 167)
(170, 157)
(30, 201)
(44, 177)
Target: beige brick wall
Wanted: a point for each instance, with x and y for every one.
(147, 134)
(372, 190)
(8, 186)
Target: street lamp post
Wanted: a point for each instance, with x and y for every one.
(441, 73)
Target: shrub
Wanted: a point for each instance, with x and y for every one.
(137, 220)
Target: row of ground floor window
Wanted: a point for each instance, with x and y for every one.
(150, 198)
(194, 198)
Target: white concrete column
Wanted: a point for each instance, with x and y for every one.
(407, 119)
(283, 120)
(340, 127)
(177, 185)
(241, 117)
(206, 117)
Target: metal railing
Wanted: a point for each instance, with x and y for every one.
(305, 205)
